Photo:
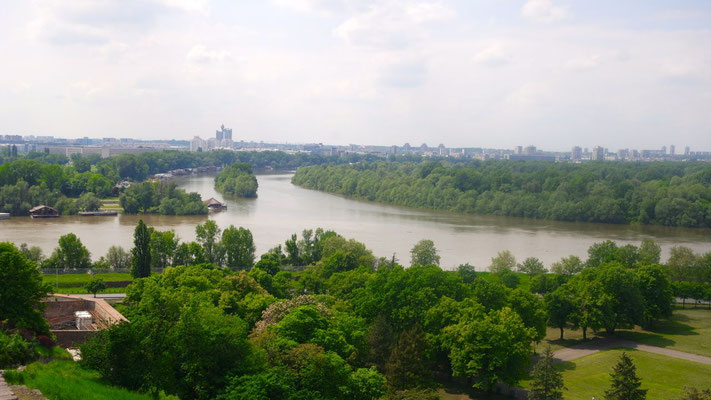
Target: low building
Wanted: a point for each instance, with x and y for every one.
(43, 211)
(73, 319)
(214, 204)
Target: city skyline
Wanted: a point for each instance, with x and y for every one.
(555, 73)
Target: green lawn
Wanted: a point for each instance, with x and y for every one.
(687, 330)
(68, 280)
(665, 377)
(524, 279)
(66, 380)
(570, 338)
(74, 283)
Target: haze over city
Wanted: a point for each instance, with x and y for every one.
(498, 74)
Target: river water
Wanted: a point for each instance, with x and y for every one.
(282, 209)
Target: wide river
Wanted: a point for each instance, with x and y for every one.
(282, 209)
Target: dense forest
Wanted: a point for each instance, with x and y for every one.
(659, 193)
(321, 317)
(238, 180)
(55, 180)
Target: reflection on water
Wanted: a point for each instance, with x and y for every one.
(282, 209)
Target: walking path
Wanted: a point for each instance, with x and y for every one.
(601, 344)
(5, 392)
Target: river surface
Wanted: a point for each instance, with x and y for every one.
(282, 209)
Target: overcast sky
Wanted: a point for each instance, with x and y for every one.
(491, 73)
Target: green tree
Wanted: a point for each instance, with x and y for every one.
(33, 253)
(559, 307)
(547, 381)
(625, 383)
(532, 266)
(163, 245)
(89, 202)
(504, 260)
(95, 285)
(141, 252)
(489, 348)
(424, 253)
(407, 366)
(239, 248)
(649, 252)
(365, 384)
(70, 254)
(208, 236)
(21, 290)
(568, 266)
(118, 258)
(657, 292)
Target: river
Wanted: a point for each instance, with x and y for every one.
(282, 209)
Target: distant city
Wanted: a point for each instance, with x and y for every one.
(223, 140)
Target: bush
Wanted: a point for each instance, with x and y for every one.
(14, 350)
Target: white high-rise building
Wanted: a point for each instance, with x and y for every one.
(197, 144)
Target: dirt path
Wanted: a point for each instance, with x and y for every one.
(601, 344)
(5, 392)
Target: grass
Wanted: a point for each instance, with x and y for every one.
(663, 376)
(76, 280)
(524, 279)
(687, 330)
(55, 352)
(451, 391)
(66, 380)
(74, 283)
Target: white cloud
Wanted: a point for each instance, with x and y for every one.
(392, 25)
(544, 11)
(494, 56)
(584, 63)
(201, 55)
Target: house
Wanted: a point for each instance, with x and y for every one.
(213, 204)
(43, 211)
(120, 186)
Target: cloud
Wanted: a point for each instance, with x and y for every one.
(404, 74)
(544, 11)
(320, 7)
(493, 56)
(584, 63)
(201, 55)
(392, 25)
(89, 22)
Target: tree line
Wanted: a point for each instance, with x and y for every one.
(320, 316)
(658, 193)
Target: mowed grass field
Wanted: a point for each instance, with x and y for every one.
(687, 330)
(74, 283)
(663, 376)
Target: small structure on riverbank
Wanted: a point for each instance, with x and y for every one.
(73, 319)
(214, 204)
(4, 215)
(43, 211)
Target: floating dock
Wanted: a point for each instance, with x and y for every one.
(98, 213)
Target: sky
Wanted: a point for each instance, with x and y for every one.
(469, 73)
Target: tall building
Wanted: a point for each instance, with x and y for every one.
(598, 153)
(672, 150)
(529, 150)
(576, 154)
(518, 150)
(197, 144)
(223, 137)
(664, 150)
(687, 151)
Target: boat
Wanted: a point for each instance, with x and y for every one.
(102, 213)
